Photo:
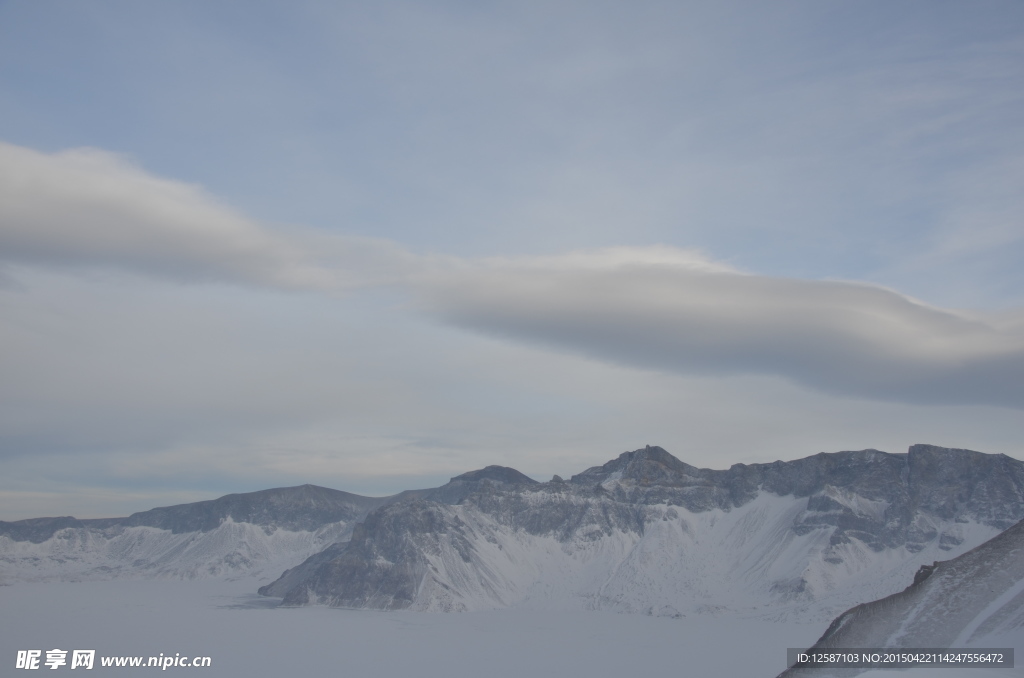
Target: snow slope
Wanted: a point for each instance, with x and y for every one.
(974, 600)
(231, 549)
(227, 537)
(648, 533)
(238, 534)
(643, 533)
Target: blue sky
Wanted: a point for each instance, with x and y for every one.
(373, 245)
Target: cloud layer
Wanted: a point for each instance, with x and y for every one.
(656, 308)
(686, 316)
(88, 208)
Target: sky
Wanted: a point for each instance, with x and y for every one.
(372, 246)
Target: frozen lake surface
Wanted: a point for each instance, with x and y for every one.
(246, 636)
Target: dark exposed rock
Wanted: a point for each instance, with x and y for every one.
(658, 476)
(941, 482)
(460, 487)
(924, 572)
(306, 507)
(500, 474)
(294, 576)
(879, 499)
(383, 562)
(850, 499)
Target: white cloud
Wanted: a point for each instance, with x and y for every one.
(657, 307)
(683, 314)
(90, 208)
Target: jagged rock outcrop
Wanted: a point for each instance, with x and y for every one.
(823, 530)
(644, 532)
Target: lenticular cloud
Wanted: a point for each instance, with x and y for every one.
(660, 308)
(650, 310)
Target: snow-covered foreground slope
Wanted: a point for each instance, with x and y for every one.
(648, 533)
(974, 600)
(228, 537)
(247, 639)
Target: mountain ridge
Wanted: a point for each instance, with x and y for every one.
(644, 532)
(296, 507)
(836, 518)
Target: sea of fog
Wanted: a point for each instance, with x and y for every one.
(246, 636)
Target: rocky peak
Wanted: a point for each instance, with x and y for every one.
(953, 483)
(501, 474)
(461, 486)
(651, 465)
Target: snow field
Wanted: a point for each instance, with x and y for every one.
(233, 549)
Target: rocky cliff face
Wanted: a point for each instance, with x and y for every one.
(881, 498)
(648, 532)
(644, 532)
(976, 599)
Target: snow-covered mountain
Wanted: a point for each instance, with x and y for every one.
(256, 533)
(236, 534)
(645, 532)
(648, 533)
(973, 600)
